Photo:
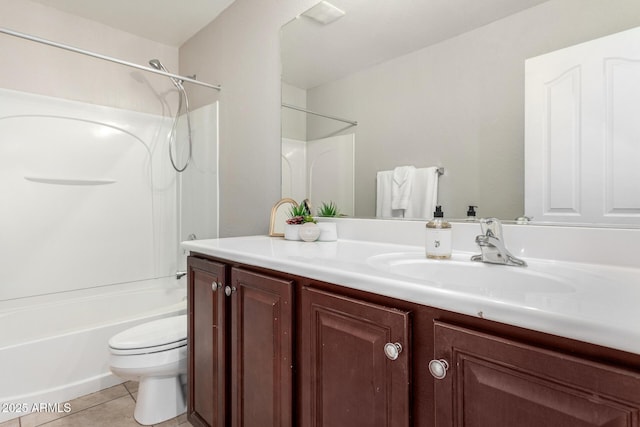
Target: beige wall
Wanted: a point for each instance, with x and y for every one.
(241, 51)
(37, 68)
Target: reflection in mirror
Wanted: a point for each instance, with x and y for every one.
(435, 83)
(318, 168)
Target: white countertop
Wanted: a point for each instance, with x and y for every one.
(599, 304)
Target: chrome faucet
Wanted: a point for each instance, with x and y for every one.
(492, 245)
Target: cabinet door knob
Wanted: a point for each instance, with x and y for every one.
(392, 350)
(438, 368)
(215, 286)
(228, 290)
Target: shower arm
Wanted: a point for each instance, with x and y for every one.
(105, 57)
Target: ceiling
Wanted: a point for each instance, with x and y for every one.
(375, 31)
(170, 22)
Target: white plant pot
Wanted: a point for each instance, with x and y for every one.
(328, 232)
(292, 231)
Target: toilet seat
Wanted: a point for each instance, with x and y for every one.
(147, 350)
(152, 337)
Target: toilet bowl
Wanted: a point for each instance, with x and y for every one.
(155, 354)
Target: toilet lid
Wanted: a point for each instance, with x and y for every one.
(166, 333)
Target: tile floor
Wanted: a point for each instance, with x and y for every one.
(112, 407)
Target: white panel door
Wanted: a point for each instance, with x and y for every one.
(582, 132)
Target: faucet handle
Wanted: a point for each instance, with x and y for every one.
(493, 248)
(491, 227)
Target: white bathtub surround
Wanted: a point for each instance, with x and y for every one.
(87, 176)
(94, 225)
(596, 303)
(199, 192)
(83, 176)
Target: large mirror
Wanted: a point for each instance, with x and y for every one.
(430, 83)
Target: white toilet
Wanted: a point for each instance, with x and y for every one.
(155, 354)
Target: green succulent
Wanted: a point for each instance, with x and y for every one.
(328, 209)
(299, 210)
(299, 215)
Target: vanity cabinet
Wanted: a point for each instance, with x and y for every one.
(355, 362)
(285, 350)
(492, 381)
(207, 341)
(261, 350)
(240, 347)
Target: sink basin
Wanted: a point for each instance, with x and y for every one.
(460, 274)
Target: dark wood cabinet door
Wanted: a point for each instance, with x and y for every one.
(495, 382)
(206, 333)
(261, 350)
(347, 380)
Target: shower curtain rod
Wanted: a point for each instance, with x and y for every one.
(104, 57)
(293, 107)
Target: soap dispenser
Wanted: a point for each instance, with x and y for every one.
(471, 213)
(438, 236)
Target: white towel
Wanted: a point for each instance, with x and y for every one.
(401, 187)
(384, 181)
(383, 194)
(424, 193)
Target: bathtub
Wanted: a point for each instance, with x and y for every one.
(54, 348)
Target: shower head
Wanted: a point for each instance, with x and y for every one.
(155, 63)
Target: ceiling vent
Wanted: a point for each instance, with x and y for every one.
(324, 13)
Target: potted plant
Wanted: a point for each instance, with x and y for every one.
(328, 210)
(328, 231)
(296, 227)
